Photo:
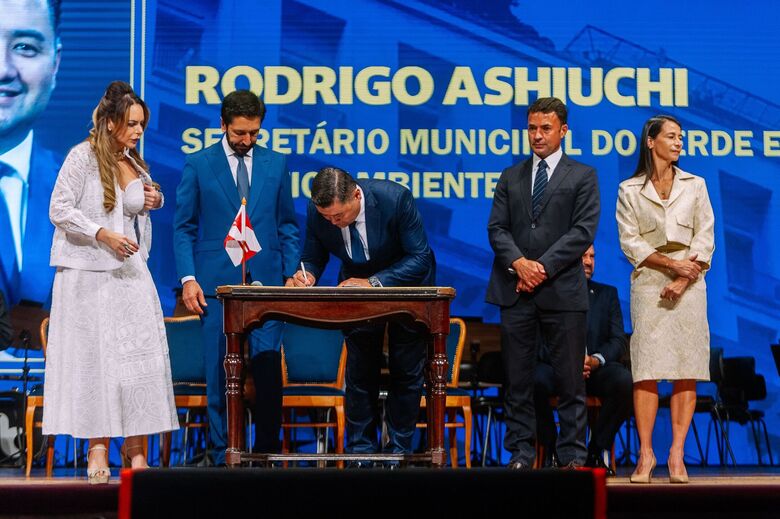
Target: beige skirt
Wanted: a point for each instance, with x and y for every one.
(671, 340)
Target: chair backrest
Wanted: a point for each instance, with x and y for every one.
(716, 365)
(490, 368)
(185, 348)
(776, 354)
(455, 343)
(313, 356)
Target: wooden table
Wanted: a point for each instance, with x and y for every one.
(247, 307)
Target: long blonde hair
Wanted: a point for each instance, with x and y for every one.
(114, 107)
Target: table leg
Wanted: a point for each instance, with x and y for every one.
(437, 392)
(234, 393)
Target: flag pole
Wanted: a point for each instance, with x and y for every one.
(243, 240)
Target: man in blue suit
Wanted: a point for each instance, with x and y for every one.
(374, 228)
(213, 183)
(30, 52)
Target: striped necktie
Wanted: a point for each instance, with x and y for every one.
(540, 183)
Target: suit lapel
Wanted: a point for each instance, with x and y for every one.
(649, 192)
(373, 224)
(678, 185)
(221, 170)
(524, 183)
(260, 160)
(561, 172)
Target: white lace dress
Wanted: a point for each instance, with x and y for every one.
(107, 368)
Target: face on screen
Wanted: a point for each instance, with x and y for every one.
(29, 57)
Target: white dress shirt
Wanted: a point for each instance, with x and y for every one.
(552, 162)
(360, 225)
(15, 190)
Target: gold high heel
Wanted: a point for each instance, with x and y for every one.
(127, 456)
(100, 475)
(682, 478)
(647, 477)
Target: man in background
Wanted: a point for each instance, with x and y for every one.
(30, 52)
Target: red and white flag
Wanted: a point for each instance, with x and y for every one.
(241, 242)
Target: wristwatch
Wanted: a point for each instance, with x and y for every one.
(375, 281)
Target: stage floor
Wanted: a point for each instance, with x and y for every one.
(713, 492)
(742, 475)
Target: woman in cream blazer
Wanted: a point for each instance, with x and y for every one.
(665, 223)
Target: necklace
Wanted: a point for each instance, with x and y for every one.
(119, 155)
(662, 189)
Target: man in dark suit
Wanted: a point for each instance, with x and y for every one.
(30, 44)
(605, 376)
(374, 228)
(213, 183)
(544, 217)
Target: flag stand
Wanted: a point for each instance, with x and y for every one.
(243, 238)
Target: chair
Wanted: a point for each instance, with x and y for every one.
(457, 399)
(741, 385)
(185, 349)
(490, 375)
(313, 368)
(35, 401)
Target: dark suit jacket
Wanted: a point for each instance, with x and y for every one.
(566, 226)
(207, 202)
(605, 323)
(397, 244)
(34, 281)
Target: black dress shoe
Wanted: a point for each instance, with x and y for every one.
(596, 461)
(518, 465)
(360, 464)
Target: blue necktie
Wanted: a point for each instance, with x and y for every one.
(358, 254)
(9, 271)
(242, 178)
(540, 182)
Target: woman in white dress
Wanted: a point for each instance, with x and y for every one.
(665, 222)
(107, 368)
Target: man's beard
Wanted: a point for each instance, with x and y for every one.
(239, 148)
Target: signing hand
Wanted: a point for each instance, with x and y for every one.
(530, 274)
(122, 246)
(674, 290)
(299, 280)
(687, 268)
(152, 198)
(193, 297)
(355, 282)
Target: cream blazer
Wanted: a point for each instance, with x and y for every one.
(76, 210)
(644, 224)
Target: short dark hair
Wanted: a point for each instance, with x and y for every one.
(331, 184)
(242, 103)
(548, 105)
